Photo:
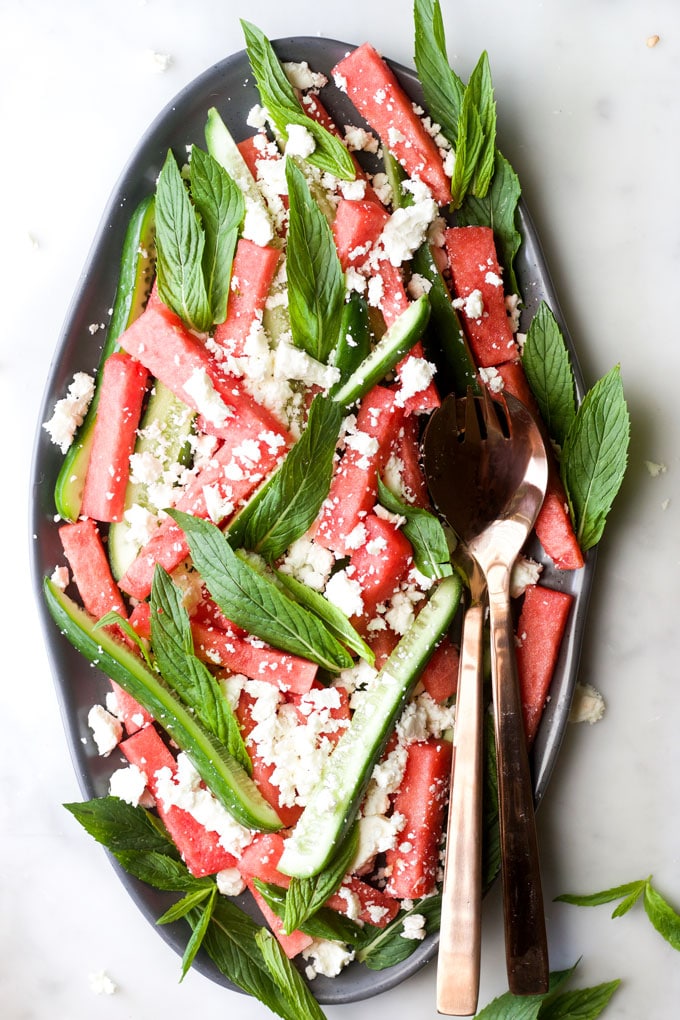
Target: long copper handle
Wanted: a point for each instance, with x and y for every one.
(460, 932)
(525, 935)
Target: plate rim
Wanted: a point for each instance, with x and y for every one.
(112, 225)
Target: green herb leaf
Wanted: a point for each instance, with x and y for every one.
(221, 774)
(174, 651)
(387, 946)
(251, 601)
(199, 929)
(284, 508)
(468, 149)
(594, 456)
(316, 283)
(581, 1004)
(497, 210)
(220, 204)
(423, 530)
(481, 87)
(442, 88)
(323, 924)
(334, 618)
(287, 977)
(546, 363)
(663, 917)
(188, 902)
(180, 243)
(523, 1007)
(118, 826)
(630, 892)
(306, 895)
(283, 106)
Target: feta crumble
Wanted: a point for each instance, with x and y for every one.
(106, 729)
(70, 411)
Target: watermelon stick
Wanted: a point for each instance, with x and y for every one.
(134, 285)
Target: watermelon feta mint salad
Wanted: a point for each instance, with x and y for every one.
(250, 553)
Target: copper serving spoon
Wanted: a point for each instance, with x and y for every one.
(486, 468)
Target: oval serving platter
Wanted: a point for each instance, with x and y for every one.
(230, 87)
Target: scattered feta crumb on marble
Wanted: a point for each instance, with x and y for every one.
(588, 705)
(655, 469)
(157, 62)
(652, 41)
(101, 983)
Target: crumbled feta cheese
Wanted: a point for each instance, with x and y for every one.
(327, 958)
(208, 402)
(358, 139)
(300, 141)
(308, 562)
(655, 469)
(257, 117)
(512, 307)
(415, 375)
(492, 378)
(345, 593)
(291, 362)
(230, 882)
(413, 927)
(101, 983)
(472, 305)
(257, 224)
(106, 729)
(301, 76)
(525, 572)
(588, 705)
(70, 411)
(377, 833)
(60, 578)
(129, 784)
(418, 285)
(407, 228)
(383, 188)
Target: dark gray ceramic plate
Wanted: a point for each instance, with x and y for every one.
(229, 86)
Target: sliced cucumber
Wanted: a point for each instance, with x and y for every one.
(335, 800)
(390, 349)
(226, 779)
(134, 284)
(164, 433)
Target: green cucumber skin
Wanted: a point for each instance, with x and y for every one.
(343, 781)
(456, 368)
(227, 781)
(134, 285)
(394, 345)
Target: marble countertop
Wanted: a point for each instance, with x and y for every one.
(589, 115)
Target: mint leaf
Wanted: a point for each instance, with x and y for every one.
(336, 621)
(316, 282)
(118, 826)
(387, 946)
(581, 1004)
(468, 149)
(113, 618)
(199, 929)
(283, 106)
(629, 892)
(481, 87)
(287, 978)
(594, 457)
(188, 902)
(287, 504)
(523, 1007)
(663, 917)
(442, 88)
(306, 895)
(173, 648)
(251, 601)
(497, 210)
(323, 924)
(180, 244)
(220, 203)
(423, 530)
(548, 370)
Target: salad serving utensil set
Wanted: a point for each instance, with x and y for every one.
(486, 468)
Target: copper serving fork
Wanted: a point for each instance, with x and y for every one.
(486, 467)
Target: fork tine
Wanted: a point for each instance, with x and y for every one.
(472, 429)
(495, 414)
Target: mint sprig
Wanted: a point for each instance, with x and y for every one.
(594, 457)
(555, 1004)
(285, 507)
(196, 234)
(253, 602)
(284, 108)
(548, 370)
(662, 915)
(316, 283)
(423, 530)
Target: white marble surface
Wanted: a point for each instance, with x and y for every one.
(589, 115)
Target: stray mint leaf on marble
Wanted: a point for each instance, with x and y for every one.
(579, 1004)
(662, 915)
